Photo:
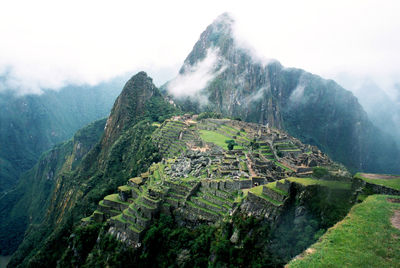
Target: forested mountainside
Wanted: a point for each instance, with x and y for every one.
(315, 110)
(32, 124)
(28, 202)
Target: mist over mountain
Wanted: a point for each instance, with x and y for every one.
(31, 124)
(318, 111)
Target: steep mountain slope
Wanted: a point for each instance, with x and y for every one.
(125, 149)
(27, 202)
(315, 110)
(32, 124)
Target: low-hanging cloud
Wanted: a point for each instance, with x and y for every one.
(196, 78)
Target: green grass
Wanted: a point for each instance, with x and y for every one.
(391, 183)
(258, 191)
(124, 188)
(365, 238)
(272, 186)
(216, 138)
(87, 219)
(331, 184)
(119, 218)
(243, 165)
(114, 198)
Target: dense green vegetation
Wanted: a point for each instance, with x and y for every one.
(167, 244)
(102, 169)
(29, 200)
(206, 115)
(365, 238)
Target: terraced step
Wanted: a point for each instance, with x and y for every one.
(227, 203)
(175, 195)
(174, 202)
(209, 205)
(125, 192)
(107, 210)
(115, 203)
(180, 189)
(123, 224)
(200, 212)
(257, 192)
(140, 222)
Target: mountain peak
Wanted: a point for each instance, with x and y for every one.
(218, 34)
(223, 23)
(130, 104)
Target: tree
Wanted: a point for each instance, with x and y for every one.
(254, 145)
(231, 144)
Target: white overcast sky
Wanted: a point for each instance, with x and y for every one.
(48, 44)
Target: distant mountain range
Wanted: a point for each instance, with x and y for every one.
(32, 124)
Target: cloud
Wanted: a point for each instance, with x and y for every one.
(297, 94)
(48, 44)
(196, 78)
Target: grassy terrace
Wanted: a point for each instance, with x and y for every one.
(331, 184)
(216, 138)
(202, 200)
(365, 238)
(201, 208)
(272, 186)
(125, 188)
(101, 203)
(258, 191)
(230, 201)
(391, 183)
(114, 198)
(282, 166)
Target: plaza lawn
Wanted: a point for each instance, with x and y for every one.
(216, 138)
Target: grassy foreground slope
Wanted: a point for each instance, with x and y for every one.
(365, 238)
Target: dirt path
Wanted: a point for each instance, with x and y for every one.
(379, 176)
(396, 219)
(249, 166)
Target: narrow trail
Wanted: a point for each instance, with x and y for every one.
(250, 166)
(395, 220)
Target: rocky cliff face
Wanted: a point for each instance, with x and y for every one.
(316, 110)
